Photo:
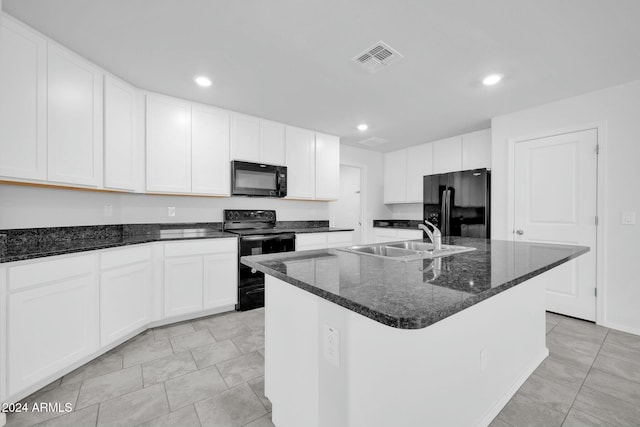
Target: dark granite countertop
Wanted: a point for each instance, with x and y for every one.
(31, 249)
(405, 294)
(30, 243)
(397, 223)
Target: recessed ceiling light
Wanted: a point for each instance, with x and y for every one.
(363, 127)
(492, 79)
(203, 81)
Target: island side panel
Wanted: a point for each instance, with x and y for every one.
(291, 354)
(389, 376)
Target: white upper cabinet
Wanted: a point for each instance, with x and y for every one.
(168, 145)
(301, 173)
(327, 167)
(257, 140)
(23, 95)
(120, 142)
(476, 150)
(419, 164)
(245, 138)
(395, 177)
(447, 155)
(210, 168)
(272, 145)
(74, 115)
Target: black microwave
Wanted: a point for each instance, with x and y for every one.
(258, 180)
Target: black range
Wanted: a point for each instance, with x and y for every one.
(258, 235)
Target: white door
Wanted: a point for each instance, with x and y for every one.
(347, 209)
(168, 145)
(74, 119)
(210, 169)
(555, 202)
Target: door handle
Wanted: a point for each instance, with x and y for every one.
(519, 232)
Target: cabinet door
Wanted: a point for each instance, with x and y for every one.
(23, 103)
(74, 114)
(300, 163)
(272, 144)
(168, 145)
(245, 138)
(220, 280)
(327, 167)
(53, 322)
(395, 177)
(210, 167)
(476, 150)
(447, 155)
(119, 134)
(183, 278)
(125, 300)
(419, 164)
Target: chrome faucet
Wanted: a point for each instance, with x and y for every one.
(435, 236)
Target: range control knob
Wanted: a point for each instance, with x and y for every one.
(236, 215)
(229, 215)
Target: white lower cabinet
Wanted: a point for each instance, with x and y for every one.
(334, 239)
(125, 292)
(62, 311)
(199, 275)
(220, 280)
(52, 318)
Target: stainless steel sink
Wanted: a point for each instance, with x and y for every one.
(407, 250)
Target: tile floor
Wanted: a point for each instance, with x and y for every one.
(209, 372)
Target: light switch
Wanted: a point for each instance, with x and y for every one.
(628, 218)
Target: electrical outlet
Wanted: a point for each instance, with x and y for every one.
(332, 345)
(628, 218)
(171, 211)
(108, 210)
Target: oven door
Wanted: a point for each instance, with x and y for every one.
(251, 284)
(259, 180)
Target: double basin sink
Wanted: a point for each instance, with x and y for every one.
(406, 251)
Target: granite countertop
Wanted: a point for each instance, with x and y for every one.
(407, 295)
(397, 223)
(30, 243)
(38, 246)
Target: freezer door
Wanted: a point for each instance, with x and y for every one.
(434, 199)
(471, 212)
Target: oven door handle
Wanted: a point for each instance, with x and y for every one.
(269, 237)
(255, 291)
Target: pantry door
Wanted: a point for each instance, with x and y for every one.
(555, 196)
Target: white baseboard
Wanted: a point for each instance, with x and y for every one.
(622, 328)
(500, 404)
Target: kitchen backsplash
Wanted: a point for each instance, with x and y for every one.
(29, 207)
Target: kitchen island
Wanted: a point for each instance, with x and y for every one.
(363, 341)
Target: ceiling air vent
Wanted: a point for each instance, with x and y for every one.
(373, 141)
(377, 57)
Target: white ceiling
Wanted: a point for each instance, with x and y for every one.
(290, 60)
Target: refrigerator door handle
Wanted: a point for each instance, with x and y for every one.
(448, 208)
(443, 212)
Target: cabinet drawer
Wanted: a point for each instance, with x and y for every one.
(311, 241)
(339, 238)
(200, 247)
(409, 234)
(49, 271)
(119, 257)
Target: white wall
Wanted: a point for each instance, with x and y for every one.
(371, 163)
(26, 207)
(619, 108)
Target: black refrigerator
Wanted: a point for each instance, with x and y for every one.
(459, 203)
